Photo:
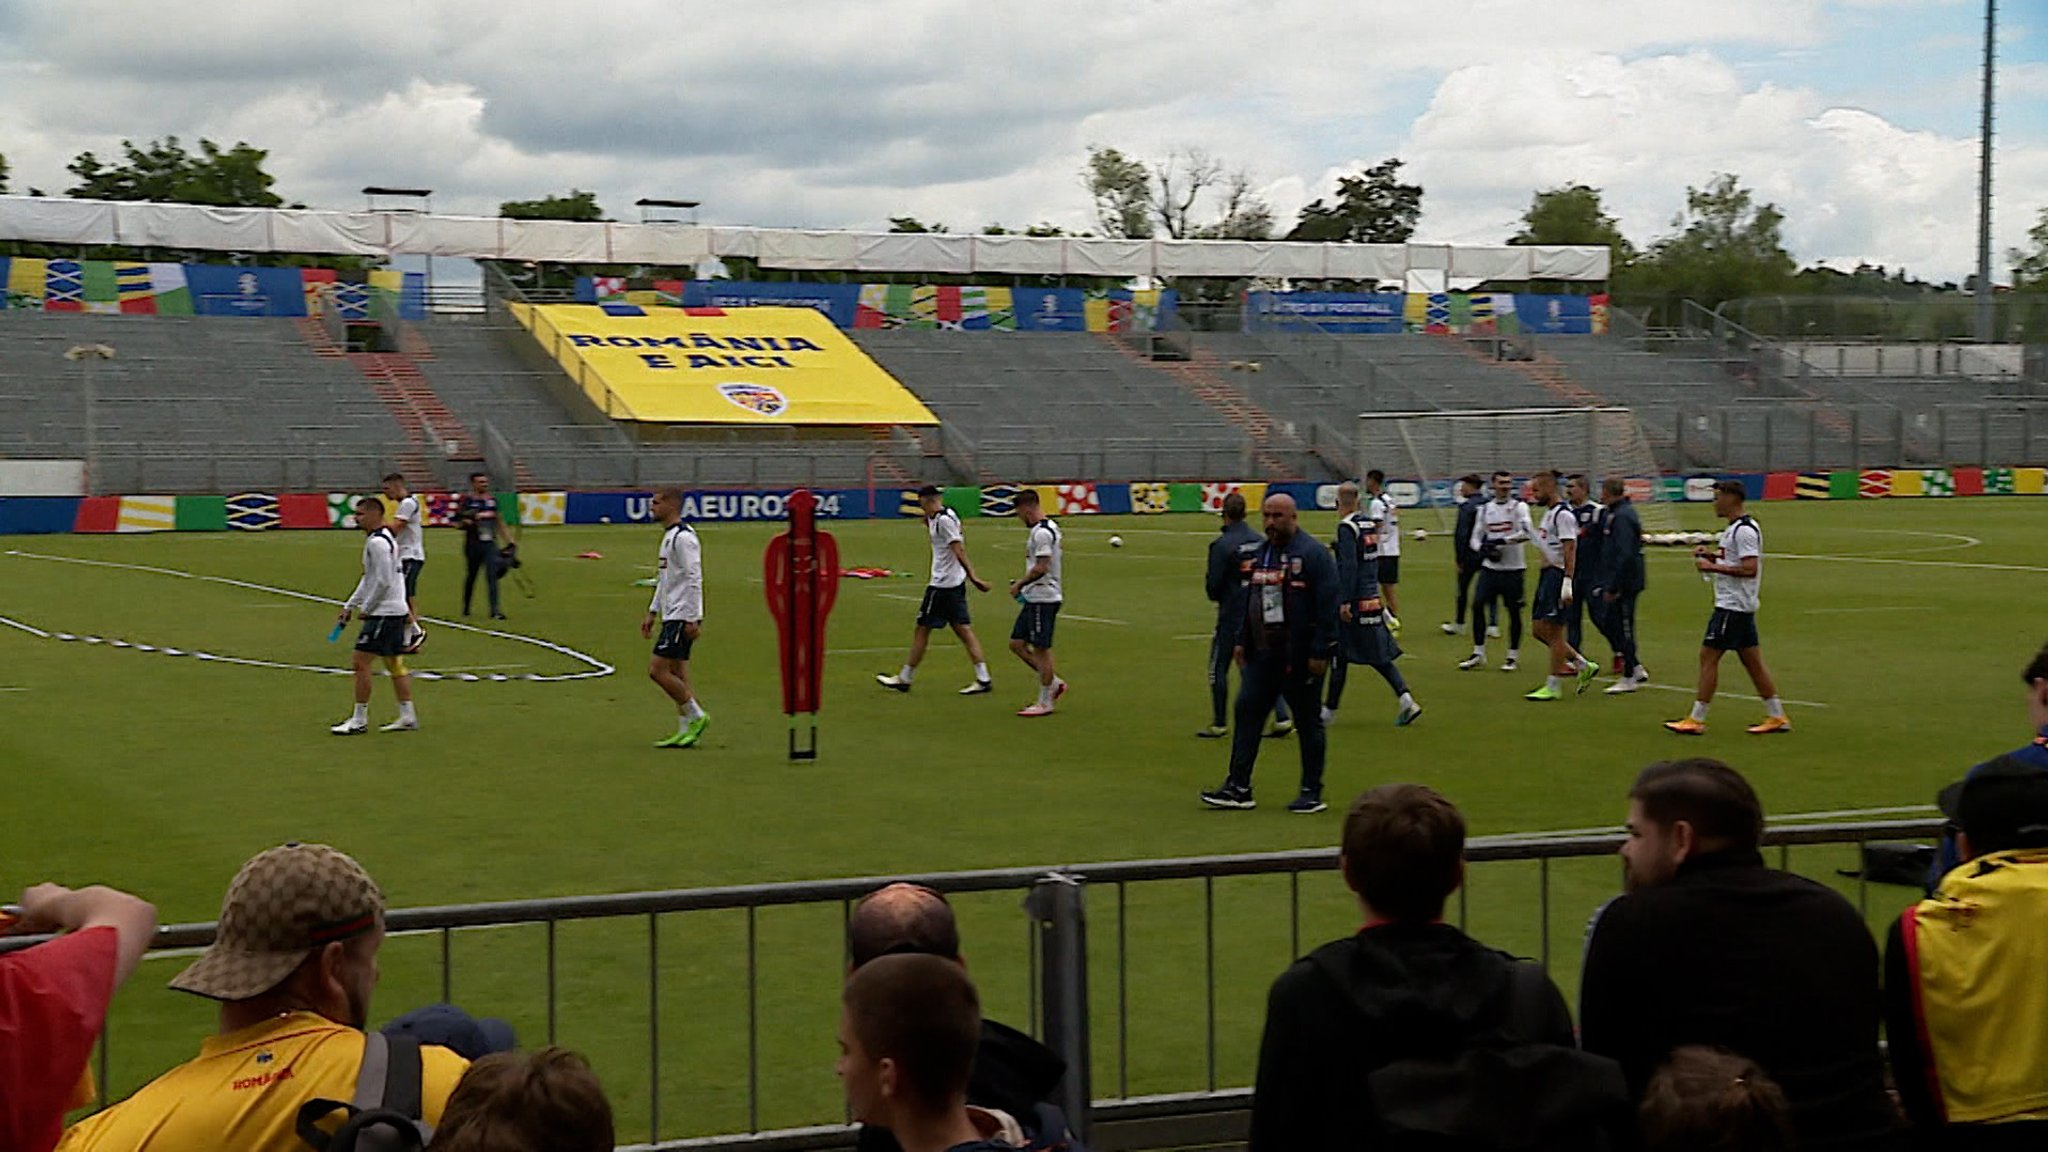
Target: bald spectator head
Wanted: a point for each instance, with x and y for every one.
(902, 919)
(1280, 518)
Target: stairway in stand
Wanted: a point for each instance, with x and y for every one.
(884, 466)
(1203, 376)
(1544, 370)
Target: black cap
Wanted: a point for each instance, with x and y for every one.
(928, 491)
(2002, 804)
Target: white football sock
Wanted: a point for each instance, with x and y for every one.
(981, 671)
(1774, 707)
(361, 715)
(693, 710)
(1699, 711)
(1554, 683)
(405, 711)
(907, 674)
(1407, 701)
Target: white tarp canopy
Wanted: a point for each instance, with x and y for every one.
(49, 220)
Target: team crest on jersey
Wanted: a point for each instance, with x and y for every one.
(760, 399)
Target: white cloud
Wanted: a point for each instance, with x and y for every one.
(1853, 186)
(793, 112)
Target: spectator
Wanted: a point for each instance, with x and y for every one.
(1710, 947)
(2034, 752)
(53, 1003)
(545, 1101)
(1965, 1006)
(1406, 988)
(1708, 1100)
(452, 1028)
(907, 1035)
(293, 967)
(1012, 1073)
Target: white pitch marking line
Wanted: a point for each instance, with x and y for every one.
(861, 651)
(597, 668)
(1734, 695)
(13, 689)
(1872, 608)
(1063, 615)
(1194, 636)
(477, 668)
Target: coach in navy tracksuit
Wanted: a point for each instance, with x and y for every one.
(1619, 580)
(1470, 499)
(1285, 641)
(1230, 557)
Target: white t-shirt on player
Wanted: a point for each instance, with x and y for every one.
(1559, 524)
(1506, 524)
(1741, 540)
(1383, 509)
(412, 543)
(679, 576)
(947, 571)
(1043, 540)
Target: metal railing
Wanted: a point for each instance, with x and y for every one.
(1056, 961)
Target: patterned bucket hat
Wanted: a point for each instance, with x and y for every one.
(282, 905)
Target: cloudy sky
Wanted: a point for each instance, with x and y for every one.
(1857, 116)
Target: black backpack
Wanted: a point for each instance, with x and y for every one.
(384, 1116)
(1502, 1092)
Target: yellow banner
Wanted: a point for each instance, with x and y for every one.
(719, 366)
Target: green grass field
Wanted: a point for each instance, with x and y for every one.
(1900, 623)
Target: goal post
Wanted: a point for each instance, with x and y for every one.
(1437, 447)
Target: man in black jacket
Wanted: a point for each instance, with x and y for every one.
(1012, 1072)
(1230, 558)
(1286, 637)
(1618, 581)
(1710, 947)
(1467, 561)
(1406, 986)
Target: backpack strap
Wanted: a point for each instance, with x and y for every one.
(375, 1072)
(403, 1090)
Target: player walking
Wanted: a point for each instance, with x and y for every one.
(1038, 590)
(1621, 579)
(1557, 548)
(412, 553)
(1362, 633)
(678, 606)
(380, 599)
(1382, 511)
(945, 598)
(1737, 568)
(1579, 498)
(1497, 536)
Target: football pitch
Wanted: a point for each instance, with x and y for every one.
(1895, 629)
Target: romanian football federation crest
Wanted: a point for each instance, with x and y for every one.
(759, 399)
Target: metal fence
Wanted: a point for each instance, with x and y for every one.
(1171, 906)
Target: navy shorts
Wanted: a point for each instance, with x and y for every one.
(382, 636)
(1390, 569)
(943, 607)
(411, 568)
(1549, 603)
(673, 643)
(1506, 583)
(1034, 625)
(1731, 631)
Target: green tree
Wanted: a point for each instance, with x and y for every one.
(577, 205)
(1040, 230)
(1572, 214)
(1121, 189)
(1728, 246)
(1373, 207)
(2030, 265)
(164, 171)
(912, 224)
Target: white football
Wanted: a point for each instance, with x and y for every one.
(1116, 541)
(1422, 533)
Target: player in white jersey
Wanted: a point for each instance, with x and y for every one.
(407, 526)
(1381, 509)
(1557, 554)
(1038, 590)
(945, 598)
(678, 607)
(380, 599)
(1737, 569)
(1498, 534)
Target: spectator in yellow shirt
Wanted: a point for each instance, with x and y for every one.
(293, 967)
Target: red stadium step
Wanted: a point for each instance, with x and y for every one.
(1202, 377)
